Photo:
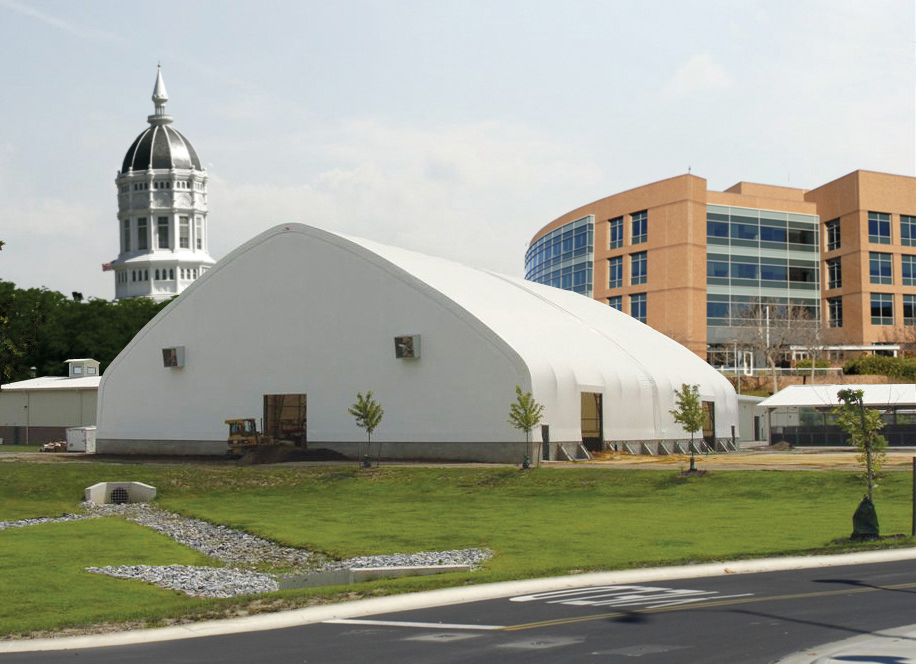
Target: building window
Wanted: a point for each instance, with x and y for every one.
(184, 233)
(717, 269)
(879, 227)
(909, 310)
(616, 231)
(615, 270)
(908, 270)
(833, 234)
(882, 309)
(199, 233)
(172, 274)
(142, 235)
(133, 275)
(639, 226)
(907, 231)
(163, 232)
(835, 312)
(157, 275)
(638, 268)
(145, 275)
(638, 307)
(834, 273)
(616, 302)
(126, 241)
(879, 268)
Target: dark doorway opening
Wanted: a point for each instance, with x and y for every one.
(592, 413)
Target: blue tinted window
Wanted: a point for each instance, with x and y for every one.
(771, 234)
(638, 268)
(908, 270)
(745, 231)
(717, 228)
(638, 307)
(744, 271)
(616, 228)
(774, 273)
(879, 227)
(882, 309)
(639, 220)
(717, 269)
(717, 310)
(616, 302)
(615, 269)
(879, 268)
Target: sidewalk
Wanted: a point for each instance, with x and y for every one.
(892, 646)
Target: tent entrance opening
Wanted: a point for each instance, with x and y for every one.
(709, 426)
(592, 414)
(285, 418)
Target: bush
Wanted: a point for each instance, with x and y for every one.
(806, 364)
(903, 368)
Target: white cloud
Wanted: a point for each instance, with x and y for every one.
(700, 73)
(474, 193)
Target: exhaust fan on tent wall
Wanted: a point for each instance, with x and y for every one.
(173, 357)
(407, 347)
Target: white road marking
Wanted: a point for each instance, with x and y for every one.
(397, 623)
(649, 597)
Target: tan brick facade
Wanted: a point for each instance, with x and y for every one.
(676, 248)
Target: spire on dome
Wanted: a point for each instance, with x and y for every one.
(160, 97)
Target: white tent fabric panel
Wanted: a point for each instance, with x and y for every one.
(826, 395)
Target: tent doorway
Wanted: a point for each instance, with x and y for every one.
(592, 414)
(709, 426)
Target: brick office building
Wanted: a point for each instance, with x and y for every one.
(685, 260)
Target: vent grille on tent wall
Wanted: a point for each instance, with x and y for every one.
(119, 496)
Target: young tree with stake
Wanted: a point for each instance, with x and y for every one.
(862, 425)
(368, 413)
(525, 413)
(690, 414)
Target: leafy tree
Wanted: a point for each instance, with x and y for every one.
(689, 413)
(525, 413)
(43, 328)
(862, 425)
(368, 413)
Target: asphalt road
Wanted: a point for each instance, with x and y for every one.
(733, 619)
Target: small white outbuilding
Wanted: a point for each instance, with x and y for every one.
(442, 346)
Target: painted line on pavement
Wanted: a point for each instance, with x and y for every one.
(398, 623)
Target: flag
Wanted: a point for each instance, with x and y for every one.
(106, 267)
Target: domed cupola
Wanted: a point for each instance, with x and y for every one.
(160, 146)
(162, 211)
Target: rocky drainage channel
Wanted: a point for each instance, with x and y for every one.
(241, 551)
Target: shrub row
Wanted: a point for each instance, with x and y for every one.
(879, 365)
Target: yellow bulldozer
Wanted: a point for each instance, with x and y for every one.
(284, 425)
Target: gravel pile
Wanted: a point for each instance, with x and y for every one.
(472, 557)
(35, 522)
(240, 551)
(232, 547)
(196, 581)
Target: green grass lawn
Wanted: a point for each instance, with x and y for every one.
(540, 522)
(19, 449)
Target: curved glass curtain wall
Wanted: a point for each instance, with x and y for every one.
(563, 258)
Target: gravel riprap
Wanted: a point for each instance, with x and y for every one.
(196, 581)
(232, 547)
(21, 523)
(239, 550)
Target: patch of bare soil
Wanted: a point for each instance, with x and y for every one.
(749, 460)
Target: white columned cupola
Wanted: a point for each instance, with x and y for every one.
(162, 211)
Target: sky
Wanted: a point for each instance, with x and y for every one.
(457, 128)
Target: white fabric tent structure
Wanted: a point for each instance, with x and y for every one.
(298, 310)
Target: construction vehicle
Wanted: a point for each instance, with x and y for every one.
(284, 424)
